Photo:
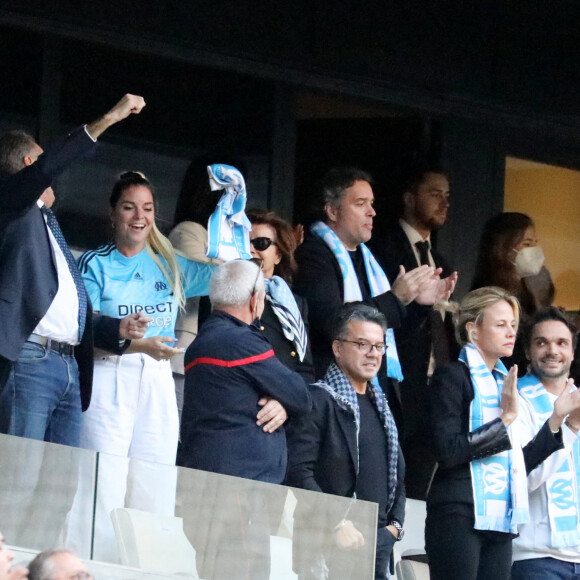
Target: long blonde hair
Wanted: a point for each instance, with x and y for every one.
(157, 245)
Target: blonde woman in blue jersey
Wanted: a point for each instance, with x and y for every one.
(133, 411)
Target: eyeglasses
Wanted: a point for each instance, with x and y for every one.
(366, 347)
(262, 244)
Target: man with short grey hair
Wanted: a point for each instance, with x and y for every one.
(57, 565)
(230, 372)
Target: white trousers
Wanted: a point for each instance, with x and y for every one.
(133, 418)
(133, 410)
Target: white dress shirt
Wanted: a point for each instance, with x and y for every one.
(61, 321)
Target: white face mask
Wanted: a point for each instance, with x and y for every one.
(529, 261)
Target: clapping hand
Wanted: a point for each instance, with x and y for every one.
(408, 285)
(436, 289)
(567, 403)
(509, 397)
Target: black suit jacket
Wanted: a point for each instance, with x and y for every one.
(393, 249)
(414, 338)
(319, 280)
(28, 276)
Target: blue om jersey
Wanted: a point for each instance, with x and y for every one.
(119, 286)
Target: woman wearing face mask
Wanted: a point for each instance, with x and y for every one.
(479, 492)
(510, 257)
(284, 321)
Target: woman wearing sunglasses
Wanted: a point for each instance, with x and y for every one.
(284, 321)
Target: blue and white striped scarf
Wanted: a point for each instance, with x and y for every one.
(228, 228)
(378, 282)
(337, 385)
(562, 487)
(286, 310)
(500, 491)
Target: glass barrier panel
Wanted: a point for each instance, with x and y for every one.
(216, 527)
(130, 516)
(39, 484)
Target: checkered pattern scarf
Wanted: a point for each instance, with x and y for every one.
(337, 385)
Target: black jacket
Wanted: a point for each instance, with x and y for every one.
(414, 338)
(451, 394)
(322, 453)
(228, 368)
(284, 349)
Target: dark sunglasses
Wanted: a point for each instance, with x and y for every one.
(262, 244)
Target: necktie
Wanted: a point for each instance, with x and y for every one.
(423, 248)
(72, 266)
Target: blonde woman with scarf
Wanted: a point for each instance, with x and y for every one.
(479, 492)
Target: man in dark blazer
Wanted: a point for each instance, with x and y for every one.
(425, 338)
(45, 357)
(348, 446)
(345, 206)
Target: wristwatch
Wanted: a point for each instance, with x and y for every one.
(399, 527)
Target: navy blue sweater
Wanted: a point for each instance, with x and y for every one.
(228, 368)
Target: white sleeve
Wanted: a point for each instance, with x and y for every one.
(551, 464)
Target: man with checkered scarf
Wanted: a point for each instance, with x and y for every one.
(348, 446)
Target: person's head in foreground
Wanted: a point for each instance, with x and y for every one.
(237, 287)
(57, 565)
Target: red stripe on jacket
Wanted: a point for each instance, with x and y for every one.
(206, 360)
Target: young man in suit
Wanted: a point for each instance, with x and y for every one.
(423, 337)
(547, 546)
